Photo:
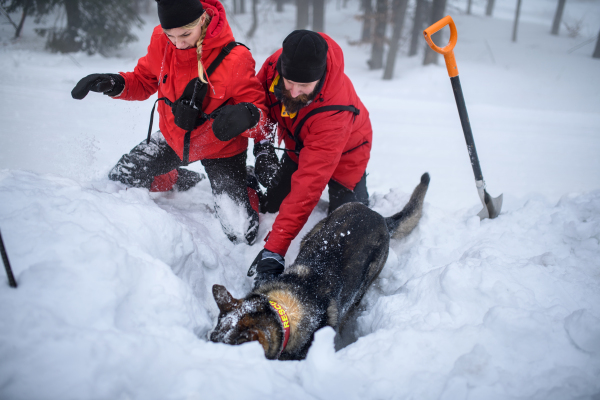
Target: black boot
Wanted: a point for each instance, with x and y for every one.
(252, 181)
(187, 179)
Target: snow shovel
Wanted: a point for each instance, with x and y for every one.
(491, 205)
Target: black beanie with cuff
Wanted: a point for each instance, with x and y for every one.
(178, 13)
(304, 57)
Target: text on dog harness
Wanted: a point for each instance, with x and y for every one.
(285, 322)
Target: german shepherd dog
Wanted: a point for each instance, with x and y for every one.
(338, 260)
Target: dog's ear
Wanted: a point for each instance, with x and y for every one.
(224, 299)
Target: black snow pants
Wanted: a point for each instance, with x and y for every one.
(338, 194)
(227, 176)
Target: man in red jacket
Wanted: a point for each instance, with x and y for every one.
(327, 134)
(208, 105)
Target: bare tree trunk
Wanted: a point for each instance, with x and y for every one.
(318, 21)
(399, 12)
(252, 30)
(367, 28)
(558, 17)
(23, 16)
(66, 43)
(417, 29)
(376, 61)
(242, 6)
(438, 8)
(279, 6)
(597, 49)
(469, 4)
(516, 24)
(489, 9)
(301, 14)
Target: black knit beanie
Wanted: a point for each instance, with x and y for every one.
(178, 13)
(304, 57)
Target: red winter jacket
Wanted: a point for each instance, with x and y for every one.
(169, 70)
(337, 145)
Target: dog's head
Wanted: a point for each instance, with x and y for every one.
(247, 320)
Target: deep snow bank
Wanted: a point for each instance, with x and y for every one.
(114, 302)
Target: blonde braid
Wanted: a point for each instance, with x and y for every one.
(199, 47)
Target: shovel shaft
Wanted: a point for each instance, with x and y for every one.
(466, 126)
(11, 278)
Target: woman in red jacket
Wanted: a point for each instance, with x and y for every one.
(209, 102)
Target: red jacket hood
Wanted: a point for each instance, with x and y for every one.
(219, 32)
(335, 69)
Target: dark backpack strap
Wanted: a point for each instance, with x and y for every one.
(186, 148)
(274, 104)
(296, 135)
(152, 116)
(224, 52)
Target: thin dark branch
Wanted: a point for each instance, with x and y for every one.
(3, 11)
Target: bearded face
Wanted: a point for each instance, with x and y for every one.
(294, 104)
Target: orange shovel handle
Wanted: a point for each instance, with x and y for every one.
(447, 51)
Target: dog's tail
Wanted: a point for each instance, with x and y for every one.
(402, 223)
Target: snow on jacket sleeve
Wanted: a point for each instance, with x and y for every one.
(270, 125)
(323, 145)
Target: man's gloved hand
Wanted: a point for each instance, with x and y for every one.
(109, 84)
(232, 120)
(267, 165)
(267, 265)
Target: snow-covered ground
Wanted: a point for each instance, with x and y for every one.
(114, 298)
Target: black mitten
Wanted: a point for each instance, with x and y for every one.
(109, 84)
(232, 120)
(266, 167)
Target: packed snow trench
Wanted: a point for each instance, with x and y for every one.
(114, 298)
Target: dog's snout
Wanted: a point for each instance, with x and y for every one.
(213, 336)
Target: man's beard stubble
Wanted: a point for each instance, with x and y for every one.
(293, 105)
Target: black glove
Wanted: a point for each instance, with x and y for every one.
(232, 120)
(109, 84)
(267, 265)
(266, 166)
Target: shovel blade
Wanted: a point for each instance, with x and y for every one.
(492, 206)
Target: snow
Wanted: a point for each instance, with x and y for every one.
(114, 298)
